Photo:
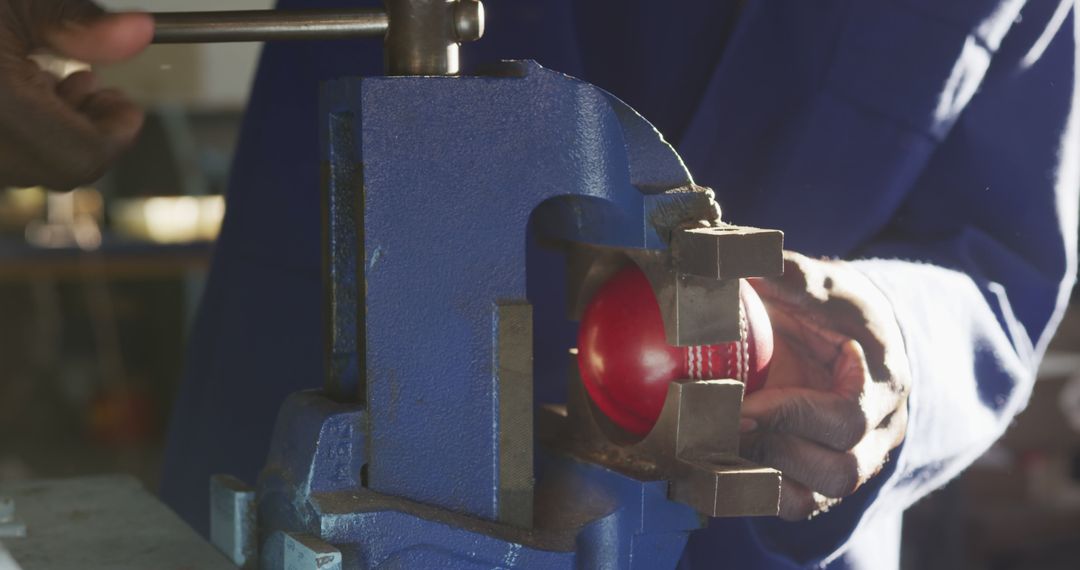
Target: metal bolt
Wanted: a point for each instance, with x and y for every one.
(469, 20)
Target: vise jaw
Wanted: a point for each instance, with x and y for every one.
(695, 442)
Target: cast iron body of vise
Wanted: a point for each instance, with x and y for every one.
(460, 247)
(467, 222)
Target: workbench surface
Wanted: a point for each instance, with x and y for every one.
(101, 523)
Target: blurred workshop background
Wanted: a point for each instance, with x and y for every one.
(98, 288)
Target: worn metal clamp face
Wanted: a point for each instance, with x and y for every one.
(694, 445)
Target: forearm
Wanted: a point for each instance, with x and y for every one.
(973, 366)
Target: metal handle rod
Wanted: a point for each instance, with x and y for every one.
(268, 25)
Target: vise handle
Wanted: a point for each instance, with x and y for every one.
(268, 25)
(421, 36)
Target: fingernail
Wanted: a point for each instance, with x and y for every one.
(747, 425)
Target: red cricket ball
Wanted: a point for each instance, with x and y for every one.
(626, 363)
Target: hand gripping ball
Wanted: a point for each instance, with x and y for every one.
(626, 363)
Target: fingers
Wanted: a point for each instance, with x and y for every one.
(818, 473)
(77, 29)
(64, 133)
(65, 137)
(106, 125)
(102, 39)
(833, 474)
(823, 417)
(828, 438)
(830, 418)
(814, 477)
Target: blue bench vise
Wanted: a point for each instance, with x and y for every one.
(467, 222)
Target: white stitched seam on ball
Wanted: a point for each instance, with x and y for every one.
(731, 361)
(743, 368)
(744, 348)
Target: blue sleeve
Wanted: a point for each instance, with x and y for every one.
(977, 255)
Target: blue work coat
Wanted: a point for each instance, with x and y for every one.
(932, 141)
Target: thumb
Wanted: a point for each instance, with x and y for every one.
(106, 38)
